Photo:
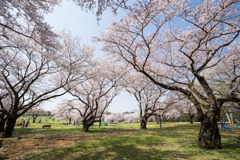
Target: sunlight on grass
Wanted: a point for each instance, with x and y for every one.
(171, 142)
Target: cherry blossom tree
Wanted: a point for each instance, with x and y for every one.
(186, 107)
(95, 93)
(28, 46)
(172, 43)
(147, 94)
(225, 80)
(166, 108)
(34, 113)
(131, 118)
(31, 74)
(65, 111)
(113, 118)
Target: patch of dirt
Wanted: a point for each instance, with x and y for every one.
(22, 144)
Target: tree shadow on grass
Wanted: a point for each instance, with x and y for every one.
(144, 145)
(123, 147)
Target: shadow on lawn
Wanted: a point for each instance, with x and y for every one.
(119, 147)
(179, 142)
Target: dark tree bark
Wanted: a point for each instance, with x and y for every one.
(85, 127)
(191, 118)
(9, 127)
(70, 121)
(143, 124)
(209, 136)
(2, 122)
(34, 118)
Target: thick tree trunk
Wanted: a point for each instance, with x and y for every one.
(85, 127)
(209, 136)
(9, 127)
(143, 124)
(2, 123)
(70, 121)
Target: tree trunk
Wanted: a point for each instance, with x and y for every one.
(2, 123)
(9, 128)
(160, 120)
(34, 119)
(70, 121)
(229, 120)
(85, 127)
(143, 124)
(209, 136)
(191, 118)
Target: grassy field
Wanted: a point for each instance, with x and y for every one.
(119, 142)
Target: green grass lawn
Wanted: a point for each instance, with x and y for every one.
(171, 142)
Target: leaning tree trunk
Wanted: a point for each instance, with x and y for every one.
(143, 123)
(9, 127)
(209, 136)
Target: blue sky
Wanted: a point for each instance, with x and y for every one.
(84, 24)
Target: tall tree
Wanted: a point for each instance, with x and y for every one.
(31, 74)
(28, 46)
(172, 43)
(148, 96)
(95, 93)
